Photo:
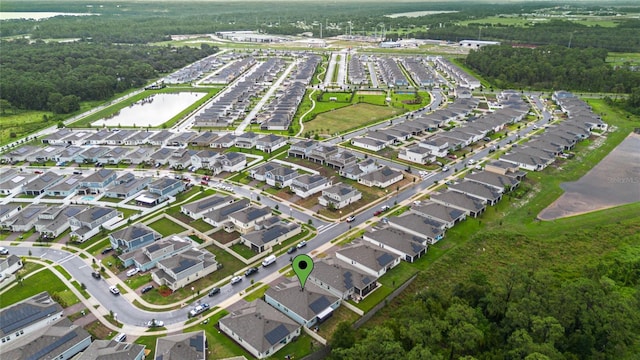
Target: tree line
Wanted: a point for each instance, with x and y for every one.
(520, 311)
(57, 76)
(551, 67)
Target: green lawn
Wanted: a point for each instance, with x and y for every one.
(166, 227)
(138, 280)
(298, 348)
(350, 117)
(243, 251)
(44, 280)
(220, 346)
(257, 294)
(22, 123)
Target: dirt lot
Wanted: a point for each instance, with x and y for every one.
(614, 181)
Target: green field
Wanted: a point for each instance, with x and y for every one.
(166, 227)
(21, 124)
(350, 117)
(615, 58)
(602, 21)
(43, 280)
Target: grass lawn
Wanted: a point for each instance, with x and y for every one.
(97, 247)
(166, 227)
(257, 294)
(43, 280)
(339, 315)
(298, 348)
(22, 123)
(373, 298)
(138, 280)
(99, 331)
(243, 251)
(220, 346)
(350, 117)
(201, 225)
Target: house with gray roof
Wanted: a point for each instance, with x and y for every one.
(69, 154)
(281, 177)
(184, 268)
(8, 210)
(8, 266)
(160, 138)
(525, 160)
(140, 155)
(48, 153)
(383, 136)
(164, 187)
(259, 172)
(341, 160)
(269, 234)
(196, 209)
(181, 158)
(139, 138)
(133, 237)
(230, 162)
(161, 156)
(98, 137)
(354, 172)
(98, 181)
(480, 191)
(146, 257)
(270, 143)
(416, 154)
(219, 216)
(186, 346)
(339, 196)
(245, 220)
(57, 340)
(373, 260)
(368, 143)
(342, 279)
(247, 140)
(126, 186)
(67, 187)
(40, 184)
(308, 308)
(56, 138)
(203, 139)
(91, 155)
(307, 185)
(181, 139)
(88, 222)
(54, 220)
(204, 159)
(28, 316)
(24, 220)
(302, 148)
(111, 349)
(259, 328)
(417, 225)
(409, 247)
(382, 178)
(505, 168)
(119, 137)
(322, 152)
(224, 141)
(470, 205)
(20, 154)
(499, 182)
(438, 212)
(115, 155)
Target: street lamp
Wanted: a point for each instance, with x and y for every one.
(193, 295)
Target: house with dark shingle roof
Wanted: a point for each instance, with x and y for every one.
(27, 316)
(339, 195)
(133, 237)
(25, 219)
(87, 223)
(184, 268)
(196, 209)
(40, 184)
(382, 178)
(420, 226)
(499, 182)
(281, 176)
(409, 247)
(245, 220)
(307, 185)
(442, 213)
(370, 259)
(483, 192)
(470, 205)
(146, 257)
(186, 346)
(341, 279)
(308, 307)
(219, 216)
(111, 349)
(269, 233)
(270, 143)
(54, 220)
(259, 328)
(98, 181)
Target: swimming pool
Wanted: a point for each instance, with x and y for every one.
(87, 198)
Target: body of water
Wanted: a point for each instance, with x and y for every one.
(152, 111)
(419, 13)
(35, 15)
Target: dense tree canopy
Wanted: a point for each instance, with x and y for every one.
(57, 76)
(551, 67)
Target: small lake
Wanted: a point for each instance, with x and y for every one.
(614, 181)
(419, 13)
(35, 15)
(151, 111)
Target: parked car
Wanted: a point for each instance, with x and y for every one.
(4, 251)
(96, 275)
(204, 182)
(385, 207)
(351, 219)
(114, 290)
(492, 149)
(251, 271)
(452, 156)
(301, 244)
(487, 139)
(445, 168)
(146, 289)
(133, 272)
(155, 323)
(235, 280)
(198, 310)
(292, 250)
(107, 250)
(77, 172)
(37, 172)
(214, 291)
(378, 212)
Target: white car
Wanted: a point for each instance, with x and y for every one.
(114, 290)
(133, 272)
(235, 280)
(4, 251)
(155, 323)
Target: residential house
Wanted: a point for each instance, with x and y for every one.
(111, 349)
(322, 152)
(525, 161)
(69, 154)
(57, 340)
(259, 172)
(270, 233)
(270, 143)
(115, 155)
(281, 177)
(181, 158)
(99, 137)
(339, 196)
(224, 141)
(308, 308)
(420, 226)
(373, 260)
(470, 205)
(505, 168)
(341, 160)
(499, 182)
(230, 162)
(382, 178)
(184, 268)
(160, 190)
(98, 181)
(20, 154)
(161, 156)
(65, 188)
(219, 216)
(160, 138)
(91, 154)
(204, 159)
(119, 137)
(438, 212)
(54, 220)
(25, 219)
(307, 185)
(139, 155)
(27, 316)
(437, 145)
(56, 138)
(40, 184)
(8, 266)
(341, 279)
(186, 346)
(196, 209)
(139, 138)
(9, 210)
(259, 328)
(75, 138)
(247, 140)
(203, 139)
(368, 143)
(409, 247)
(354, 172)
(133, 237)
(47, 154)
(181, 140)
(146, 257)
(245, 220)
(88, 222)
(485, 193)
(382, 136)
(302, 149)
(417, 154)
(126, 186)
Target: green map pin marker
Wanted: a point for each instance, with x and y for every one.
(302, 266)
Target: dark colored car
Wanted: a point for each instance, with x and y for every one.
(292, 250)
(146, 289)
(96, 275)
(214, 291)
(107, 250)
(377, 213)
(251, 271)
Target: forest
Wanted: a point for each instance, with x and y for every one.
(57, 76)
(551, 67)
(536, 309)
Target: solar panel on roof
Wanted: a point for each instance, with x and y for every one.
(348, 279)
(72, 211)
(197, 342)
(319, 304)
(367, 280)
(184, 264)
(99, 212)
(22, 315)
(274, 336)
(54, 345)
(29, 212)
(46, 178)
(384, 259)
